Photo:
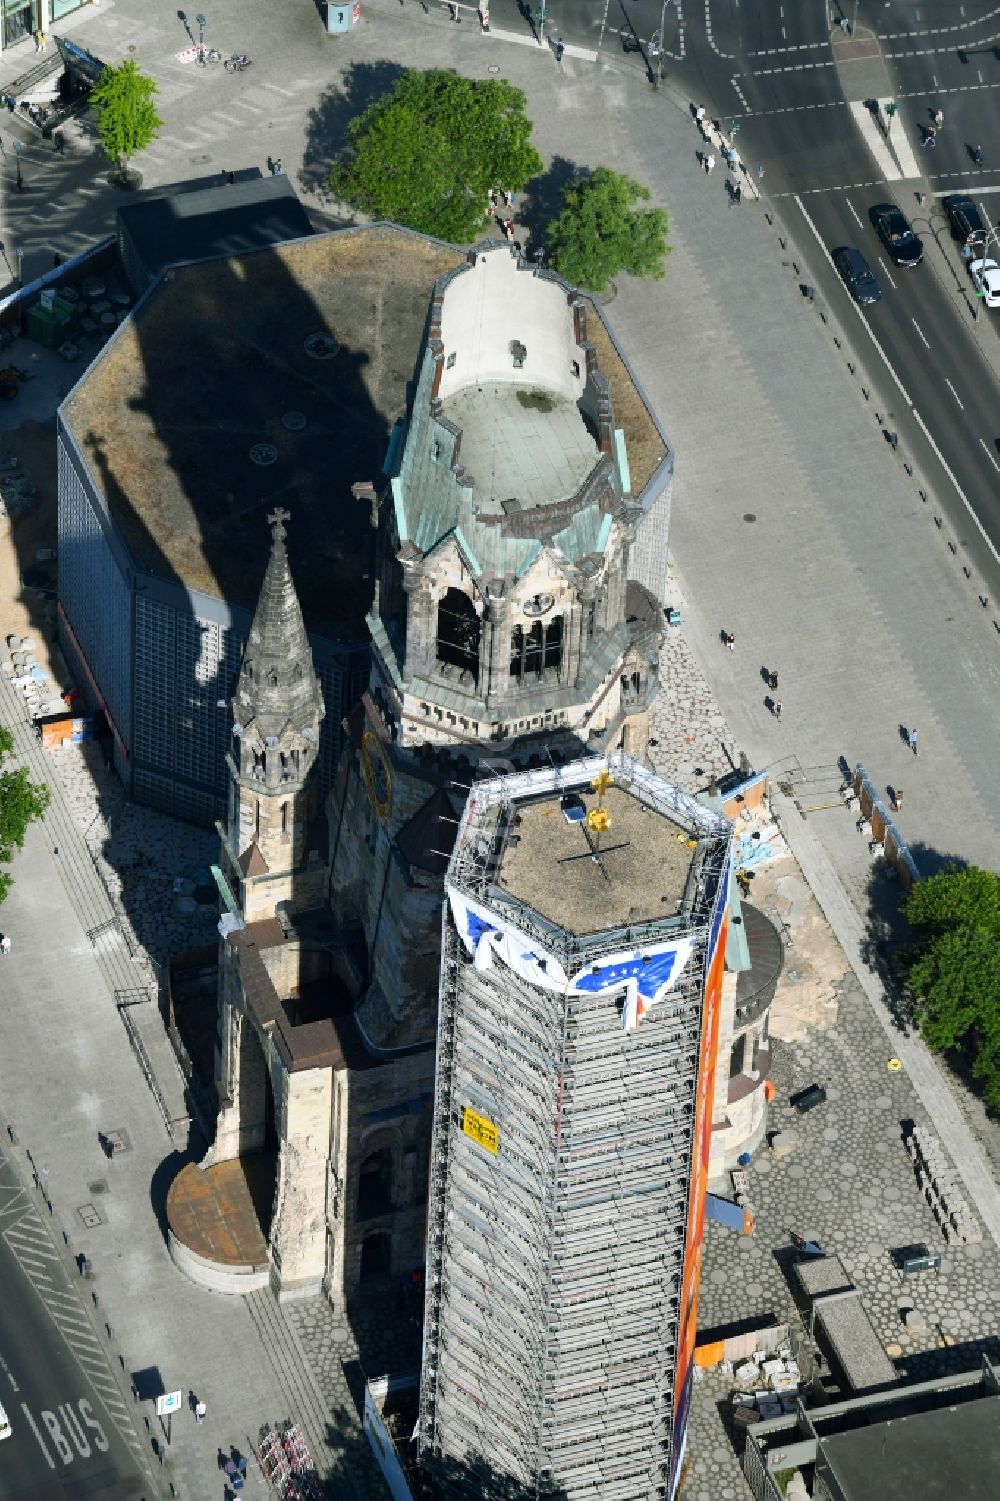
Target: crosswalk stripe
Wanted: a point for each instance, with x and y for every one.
(874, 140)
(900, 144)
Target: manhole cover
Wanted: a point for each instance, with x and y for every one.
(91, 1216)
(321, 347)
(263, 454)
(749, 516)
(117, 1140)
(294, 421)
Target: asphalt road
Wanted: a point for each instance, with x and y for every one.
(770, 70)
(65, 1443)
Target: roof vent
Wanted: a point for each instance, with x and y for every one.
(321, 346)
(294, 422)
(263, 454)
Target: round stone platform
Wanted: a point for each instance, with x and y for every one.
(214, 1232)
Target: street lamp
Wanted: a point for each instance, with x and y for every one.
(19, 255)
(18, 148)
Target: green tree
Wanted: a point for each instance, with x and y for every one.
(952, 967)
(428, 154)
(600, 231)
(127, 121)
(21, 802)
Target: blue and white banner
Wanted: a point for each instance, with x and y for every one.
(647, 974)
(487, 936)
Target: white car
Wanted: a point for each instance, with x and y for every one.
(986, 279)
(5, 1428)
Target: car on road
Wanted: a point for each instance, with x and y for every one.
(5, 1428)
(896, 233)
(966, 222)
(985, 275)
(856, 274)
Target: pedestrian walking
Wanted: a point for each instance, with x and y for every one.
(930, 136)
(39, 41)
(560, 49)
(772, 681)
(699, 114)
(4, 944)
(977, 156)
(199, 1411)
(709, 163)
(277, 170)
(777, 708)
(911, 740)
(729, 640)
(897, 798)
(737, 195)
(939, 118)
(59, 142)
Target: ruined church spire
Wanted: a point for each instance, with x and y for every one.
(278, 690)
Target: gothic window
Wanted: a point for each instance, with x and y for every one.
(272, 679)
(256, 819)
(458, 629)
(591, 618)
(284, 818)
(534, 650)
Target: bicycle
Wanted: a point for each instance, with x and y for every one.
(208, 55)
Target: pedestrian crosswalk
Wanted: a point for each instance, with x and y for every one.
(885, 136)
(27, 1237)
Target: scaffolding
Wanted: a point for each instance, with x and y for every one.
(556, 1250)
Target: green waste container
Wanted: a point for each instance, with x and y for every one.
(51, 321)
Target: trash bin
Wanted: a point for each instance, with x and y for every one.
(809, 1098)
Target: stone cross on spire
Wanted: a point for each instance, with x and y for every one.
(276, 522)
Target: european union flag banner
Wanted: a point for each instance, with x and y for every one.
(487, 938)
(647, 973)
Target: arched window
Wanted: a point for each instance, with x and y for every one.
(375, 1185)
(534, 650)
(458, 630)
(376, 1256)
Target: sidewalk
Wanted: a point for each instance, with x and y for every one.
(67, 1073)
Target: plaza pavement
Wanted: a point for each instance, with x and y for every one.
(842, 582)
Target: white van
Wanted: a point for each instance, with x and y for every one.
(5, 1428)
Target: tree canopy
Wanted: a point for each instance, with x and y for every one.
(600, 231)
(21, 802)
(952, 967)
(127, 121)
(429, 152)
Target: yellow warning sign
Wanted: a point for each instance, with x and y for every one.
(481, 1130)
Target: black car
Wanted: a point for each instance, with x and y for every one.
(858, 277)
(967, 223)
(893, 229)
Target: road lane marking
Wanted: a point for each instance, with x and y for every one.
(958, 489)
(886, 272)
(861, 317)
(992, 460)
(954, 393)
(920, 332)
(857, 216)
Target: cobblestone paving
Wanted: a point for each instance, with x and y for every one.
(689, 740)
(140, 854)
(849, 1185)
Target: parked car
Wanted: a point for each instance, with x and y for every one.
(896, 233)
(5, 1428)
(985, 275)
(857, 275)
(966, 222)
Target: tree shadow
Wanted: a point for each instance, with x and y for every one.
(328, 120)
(543, 197)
